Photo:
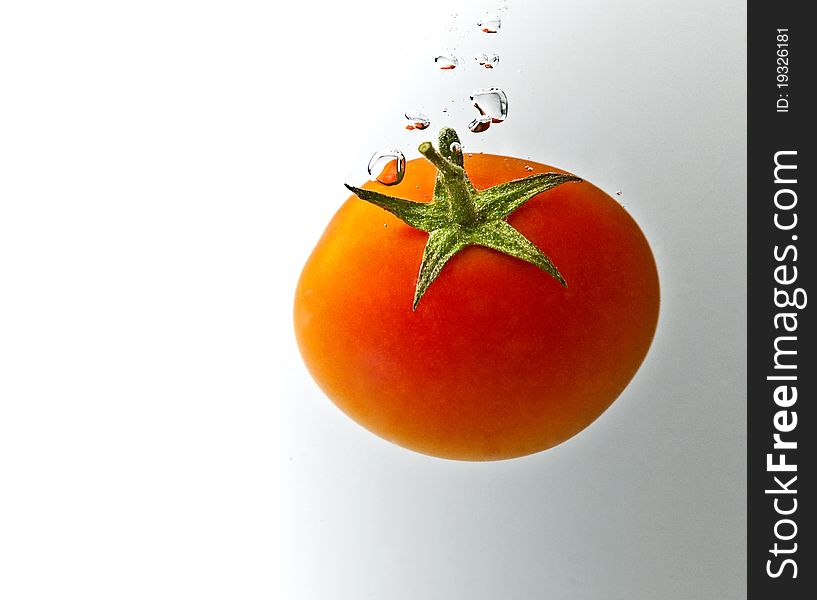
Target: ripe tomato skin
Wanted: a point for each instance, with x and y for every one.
(499, 360)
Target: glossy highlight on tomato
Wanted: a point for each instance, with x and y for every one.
(499, 359)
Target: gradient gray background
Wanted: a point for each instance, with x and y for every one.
(165, 169)
(643, 97)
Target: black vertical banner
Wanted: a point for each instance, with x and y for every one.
(782, 559)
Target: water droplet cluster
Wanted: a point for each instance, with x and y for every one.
(388, 166)
(492, 103)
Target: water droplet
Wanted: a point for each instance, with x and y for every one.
(528, 168)
(489, 61)
(618, 193)
(445, 109)
(388, 166)
(455, 148)
(489, 22)
(492, 102)
(446, 63)
(416, 120)
(480, 124)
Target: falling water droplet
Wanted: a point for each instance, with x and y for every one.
(489, 61)
(489, 22)
(388, 166)
(446, 63)
(492, 102)
(480, 124)
(416, 120)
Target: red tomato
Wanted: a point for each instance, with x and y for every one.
(499, 359)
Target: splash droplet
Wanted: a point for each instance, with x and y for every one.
(489, 61)
(480, 124)
(455, 148)
(388, 166)
(446, 63)
(618, 193)
(489, 22)
(492, 102)
(528, 168)
(416, 120)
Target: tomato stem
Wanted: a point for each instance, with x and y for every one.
(461, 216)
(461, 206)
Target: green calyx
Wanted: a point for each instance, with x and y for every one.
(460, 216)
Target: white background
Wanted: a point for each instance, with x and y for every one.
(166, 167)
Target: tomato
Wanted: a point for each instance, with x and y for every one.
(500, 358)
